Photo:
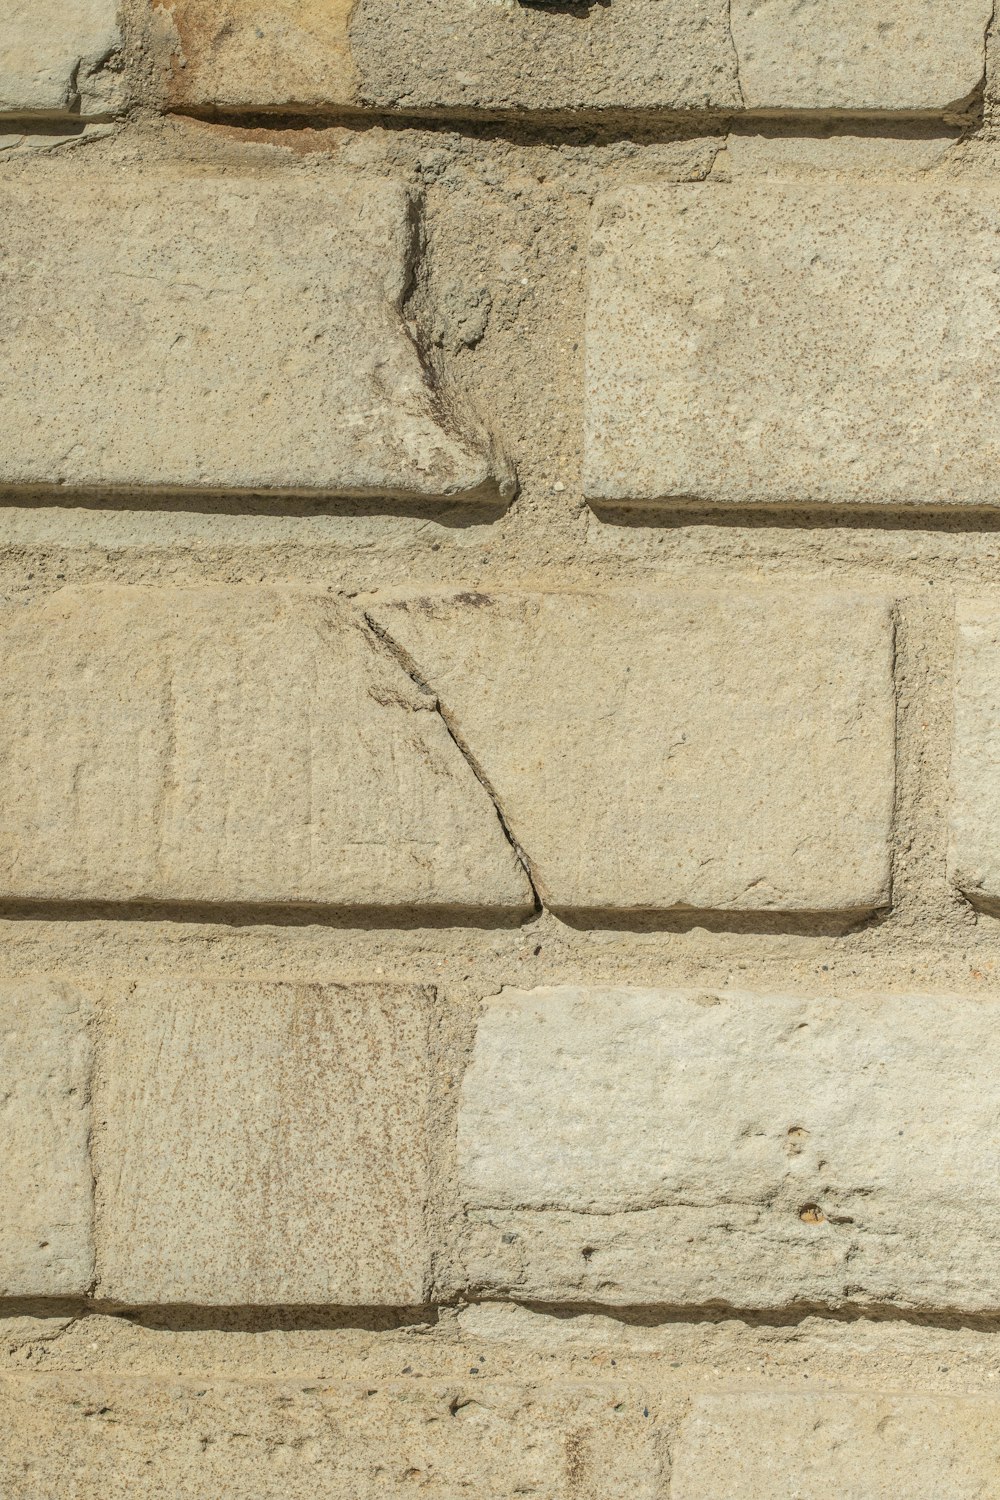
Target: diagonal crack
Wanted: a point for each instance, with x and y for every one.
(403, 658)
(736, 55)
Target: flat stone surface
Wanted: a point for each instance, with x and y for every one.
(264, 1143)
(974, 844)
(54, 57)
(100, 1438)
(46, 1245)
(725, 1148)
(171, 332)
(791, 344)
(231, 745)
(759, 1446)
(907, 55)
(679, 748)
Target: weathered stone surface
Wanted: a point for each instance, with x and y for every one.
(46, 1247)
(757, 1151)
(231, 745)
(164, 331)
(764, 1446)
(263, 1144)
(98, 1438)
(687, 749)
(789, 344)
(974, 844)
(910, 55)
(54, 57)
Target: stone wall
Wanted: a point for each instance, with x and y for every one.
(500, 750)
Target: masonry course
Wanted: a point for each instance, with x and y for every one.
(61, 58)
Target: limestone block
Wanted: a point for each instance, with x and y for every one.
(907, 55)
(974, 843)
(263, 1143)
(101, 1438)
(167, 331)
(764, 1446)
(679, 748)
(725, 1148)
(54, 57)
(46, 1246)
(231, 745)
(789, 344)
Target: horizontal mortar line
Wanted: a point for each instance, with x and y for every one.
(793, 515)
(653, 1315)
(234, 1317)
(252, 914)
(486, 498)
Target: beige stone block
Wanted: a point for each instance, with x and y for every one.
(905, 55)
(263, 1143)
(790, 344)
(46, 1245)
(231, 745)
(55, 56)
(173, 331)
(101, 1438)
(869, 1446)
(974, 815)
(724, 1148)
(686, 749)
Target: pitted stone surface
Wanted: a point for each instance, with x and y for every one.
(795, 344)
(733, 1149)
(264, 1143)
(669, 749)
(46, 1241)
(231, 745)
(213, 333)
(55, 56)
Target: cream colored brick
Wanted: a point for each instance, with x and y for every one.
(734, 1149)
(677, 748)
(231, 745)
(763, 343)
(46, 1246)
(100, 1438)
(264, 1143)
(974, 845)
(54, 57)
(164, 330)
(907, 55)
(763, 1446)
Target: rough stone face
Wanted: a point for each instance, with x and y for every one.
(231, 745)
(789, 344)
(688, 749)
(759, 1446)
(726, 1148)
(55, 55)
(974, 846)
(909, 55)
(46, 1247)
(172, 332)
(264, 1144)
(106, 1439)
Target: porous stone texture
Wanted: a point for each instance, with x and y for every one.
(264, 1143)
(46, 1188)
(974, 846)
(732, 1149)
(164, 331)
(790, 344)
(675, 749)
(58, 57)
(759, 1446)
(231, 745)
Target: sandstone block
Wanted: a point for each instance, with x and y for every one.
(101, 1438)
(231, 745)
(263, 1144)
(184, 333)
(55, 56)
(974, 845)
(673, 749)
(46, 1247)
(763, 1446)
(790, 344)
(733, 1149)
